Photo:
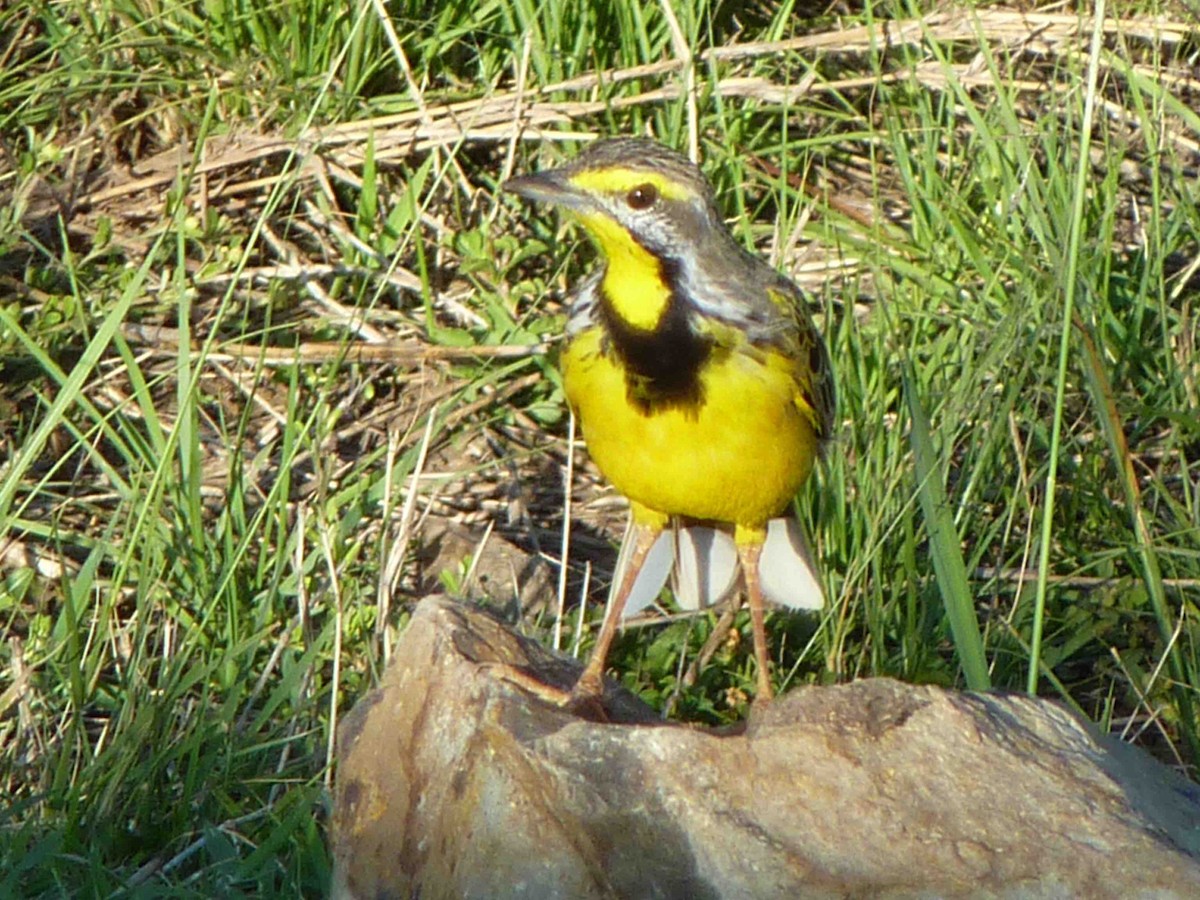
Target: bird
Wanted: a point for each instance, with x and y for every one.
(702, 387)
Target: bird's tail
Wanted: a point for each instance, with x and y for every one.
(703, 561)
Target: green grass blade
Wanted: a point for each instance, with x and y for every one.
(944, 544)
(1069, 287)
(1100, 389)
(71, 391)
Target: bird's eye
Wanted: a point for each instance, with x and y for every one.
(643, 196)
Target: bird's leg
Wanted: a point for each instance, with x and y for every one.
(750, 544)
(587, 697)
(590, 686)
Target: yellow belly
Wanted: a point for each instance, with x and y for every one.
(739, 456)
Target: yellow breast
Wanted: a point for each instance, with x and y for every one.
(739, 454)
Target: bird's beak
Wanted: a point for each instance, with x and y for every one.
(546, 187)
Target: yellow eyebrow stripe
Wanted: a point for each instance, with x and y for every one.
(619, 180)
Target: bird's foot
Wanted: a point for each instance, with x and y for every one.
(585, 700)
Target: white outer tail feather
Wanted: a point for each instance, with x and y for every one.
(786, 570)
(660, 561)
(706, 566)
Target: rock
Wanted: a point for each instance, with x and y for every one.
(453, 782)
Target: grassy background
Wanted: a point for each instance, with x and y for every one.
(276, 361)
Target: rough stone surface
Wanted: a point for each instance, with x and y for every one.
(452, 782)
